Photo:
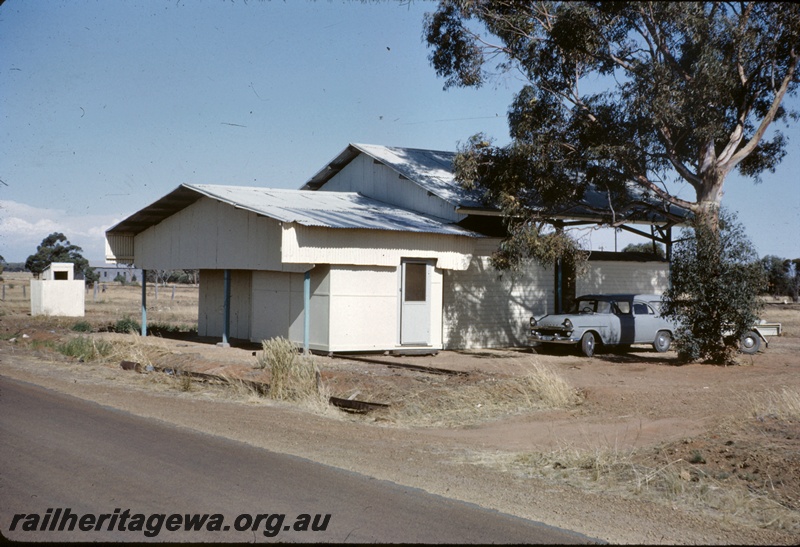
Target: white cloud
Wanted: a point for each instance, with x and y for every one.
(23, 227)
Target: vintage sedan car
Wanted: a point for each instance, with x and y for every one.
(610, 320)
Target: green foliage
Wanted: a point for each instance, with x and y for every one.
(783, 276)
(121, 279)
(532, 241)
(658, 250)
(688, 93)
(57, 248)
(126, 325)
(161, 329)
(82, 326)
(714, 282)
(85, 348)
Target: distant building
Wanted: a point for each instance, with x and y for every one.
(108, 273)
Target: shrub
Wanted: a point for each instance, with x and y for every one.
(714, 284)
(126, 324)
(292, 377)
(82, 326)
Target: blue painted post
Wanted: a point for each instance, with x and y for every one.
(144, 302)
(306, 311)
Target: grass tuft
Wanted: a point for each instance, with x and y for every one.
(292, 377)
(85, 348)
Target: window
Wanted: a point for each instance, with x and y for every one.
(640, 308)
(415, 282)
(623, 308)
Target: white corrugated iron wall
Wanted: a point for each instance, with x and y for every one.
(364, 308)
(614, 277)
(309, 245)
(211, 235)
(277, 306)
(211, 307)
(376, 180)
(484, 308)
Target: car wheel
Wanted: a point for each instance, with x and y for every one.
(750, 343)
(663, 341)
(587, 344)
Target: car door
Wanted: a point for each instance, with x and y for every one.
(646, 322)
(622, 309)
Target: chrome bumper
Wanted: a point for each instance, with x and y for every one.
(552, 339)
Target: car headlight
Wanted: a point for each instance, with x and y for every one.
(567, 324)
(533, 321)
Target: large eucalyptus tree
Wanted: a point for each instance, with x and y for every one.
(643, 93)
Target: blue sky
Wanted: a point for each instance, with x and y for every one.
(107, 106)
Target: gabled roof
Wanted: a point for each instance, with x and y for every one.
(430, 169)
(317, 209)
(433, 170)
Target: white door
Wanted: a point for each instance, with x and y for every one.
(415, 306)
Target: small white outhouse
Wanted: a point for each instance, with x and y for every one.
(57, 292)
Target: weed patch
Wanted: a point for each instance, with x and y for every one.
(126, 325)
(84, 348)
(82, 326)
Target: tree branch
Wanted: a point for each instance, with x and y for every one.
(770, 116)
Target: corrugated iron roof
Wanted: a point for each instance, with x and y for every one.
(433, 171)
(318, 209)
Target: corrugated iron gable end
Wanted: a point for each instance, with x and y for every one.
(430, 169)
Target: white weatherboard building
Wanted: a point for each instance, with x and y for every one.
(381, 250)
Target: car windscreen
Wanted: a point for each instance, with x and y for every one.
(591, 305)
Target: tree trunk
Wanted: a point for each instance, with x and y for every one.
(709, 198)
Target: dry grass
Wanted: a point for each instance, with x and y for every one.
(484, 399)
(292, 377)
(608, 469)
(132, 347)
(783, 405)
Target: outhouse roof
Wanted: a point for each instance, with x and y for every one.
(315, 209)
